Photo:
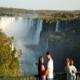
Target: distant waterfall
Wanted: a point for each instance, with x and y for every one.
(6, 21)
(32, 29)
(57, 27)
(26, 31)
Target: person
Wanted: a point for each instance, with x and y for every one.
(41, 69)
(73, 70)
(67, 69)
(49, 70)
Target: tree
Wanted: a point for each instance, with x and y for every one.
(9, 64)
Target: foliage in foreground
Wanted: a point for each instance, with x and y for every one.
(9, 64)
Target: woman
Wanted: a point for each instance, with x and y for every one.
(41, 69)
(73, 70)
(67, 69)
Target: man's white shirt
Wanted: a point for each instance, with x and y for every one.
(50, 69)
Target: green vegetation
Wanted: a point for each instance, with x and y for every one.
(56, 37)
(41, 14)
(9, 64)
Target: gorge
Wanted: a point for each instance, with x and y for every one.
(35, 36)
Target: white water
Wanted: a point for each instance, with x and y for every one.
(25, 32)
(57, 27)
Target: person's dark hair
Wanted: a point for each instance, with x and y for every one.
(49, 53)
(39, 62)
(39, 67)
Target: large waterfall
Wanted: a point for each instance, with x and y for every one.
(26, 31)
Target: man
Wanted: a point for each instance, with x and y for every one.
(49, 71)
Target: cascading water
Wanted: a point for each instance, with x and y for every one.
(57, 27)
(26, 31)
(4, 22)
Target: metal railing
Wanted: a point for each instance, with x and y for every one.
(57, 76)
(62, 76)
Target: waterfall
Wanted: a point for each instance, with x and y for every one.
(26, 31)
(32, 31)
(57, 27)
(4, 22)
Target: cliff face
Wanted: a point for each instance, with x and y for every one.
(63, 25)
(62, 39)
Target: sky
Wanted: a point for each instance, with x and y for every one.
(42, 4)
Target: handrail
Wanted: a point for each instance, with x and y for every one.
(57, 76)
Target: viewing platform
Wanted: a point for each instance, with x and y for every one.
(57, 76)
